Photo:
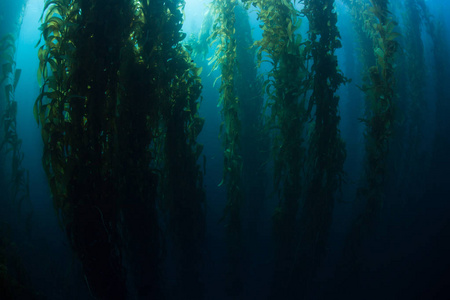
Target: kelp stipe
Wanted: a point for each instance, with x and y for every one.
(105, 70)
(326, 152)
(10, 143)
(380, 97)
(380, 100)
(408, 160)
(286, 85)
(76, 110)
(225, 58)
(255, 142)
(183, 196)
(435, 27)
(15, 281)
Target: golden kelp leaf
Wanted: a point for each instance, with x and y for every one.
(289, 30)
(390, 26)
(40, 77)
(220, 76)
(220, 100)
(42, 53)
(54, 10)
(392, 36)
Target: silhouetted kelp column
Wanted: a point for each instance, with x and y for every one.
(379, 119)
(143, 82)
(15, 281)
(379, 90)
(10, 144)
(161, 152)
(77, 109)
(118, 110)
(183, 196)
(438, 34)
(326, 153)
(225, 57)
(286, 85)
(408, 156)
(254, 139)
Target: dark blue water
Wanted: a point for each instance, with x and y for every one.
(405, 256)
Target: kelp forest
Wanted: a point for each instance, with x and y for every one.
(224, 149)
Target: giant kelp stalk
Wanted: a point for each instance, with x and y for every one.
(10, 144)
(77, 110)
(326, 153)
(254, 140)
(183, 194)
(143, 82)
(362, 20)
(225, 57)
(379, 120)
(408, 146)
(14, 180)
(440, 47)
(111, 71)
(286, 85)
(170, 85)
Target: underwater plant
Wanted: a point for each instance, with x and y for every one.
(77, 112)
(380, 97)
(255, 142)
(10, 142)
(286, 85)
(326, 151)
(223, 33)
(380, 108)
(114, 80)
(182, 192)
(199, 45)
(436, 31)
(408, 157)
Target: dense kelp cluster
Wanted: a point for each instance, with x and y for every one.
(118, 111)
(183, 194)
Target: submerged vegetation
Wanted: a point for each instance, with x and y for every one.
(118, 111)
(224, 30)
(120, 115)
(380, 104)
(286, 85)
(326, 152)
(10, 143)
(15, 281)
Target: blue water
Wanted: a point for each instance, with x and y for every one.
(406, 257)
